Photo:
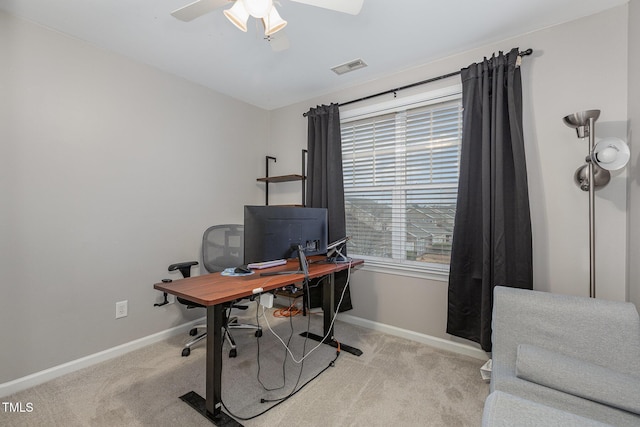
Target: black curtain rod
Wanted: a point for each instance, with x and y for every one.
(444, 76)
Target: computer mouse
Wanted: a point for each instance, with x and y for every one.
(243, 269)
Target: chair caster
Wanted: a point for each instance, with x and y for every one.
(233, 352)
(258, 333)
(186, 351)
(193, 332)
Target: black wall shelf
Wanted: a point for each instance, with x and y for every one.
(284, 178)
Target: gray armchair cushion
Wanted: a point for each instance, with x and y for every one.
(504, 410)
(578, 377)
(597, 331)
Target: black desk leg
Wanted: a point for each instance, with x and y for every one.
(328, 305)
(214, 360)
(211, 407)
(328, 309)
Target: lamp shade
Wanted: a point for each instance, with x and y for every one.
(601, 177)
(611, 154)
(580, 121)
(238, 15)
(273, 22)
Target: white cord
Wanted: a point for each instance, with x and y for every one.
(328, 332)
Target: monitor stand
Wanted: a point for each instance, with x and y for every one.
(302, 260)
(335, 251)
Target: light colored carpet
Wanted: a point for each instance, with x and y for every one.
(395, 382)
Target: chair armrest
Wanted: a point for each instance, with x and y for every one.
(183, 267)
(579, 378)
(597, 331)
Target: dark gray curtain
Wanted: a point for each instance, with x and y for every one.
(325, 187)
(492, 234)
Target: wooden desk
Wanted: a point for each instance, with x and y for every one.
(213, 290)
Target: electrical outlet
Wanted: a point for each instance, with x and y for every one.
(121, 309)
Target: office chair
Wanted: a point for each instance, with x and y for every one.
(185, 270)
(222, 247)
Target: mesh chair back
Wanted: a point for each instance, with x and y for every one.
(223, 247)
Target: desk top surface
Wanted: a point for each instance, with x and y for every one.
(212, 289)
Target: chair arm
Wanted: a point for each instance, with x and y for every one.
(184, 267)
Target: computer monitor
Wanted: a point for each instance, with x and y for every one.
(275, 232)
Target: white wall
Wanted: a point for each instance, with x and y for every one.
(558, 79)
(109, 171)
(634, 140)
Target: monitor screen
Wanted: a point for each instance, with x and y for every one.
(274, 232)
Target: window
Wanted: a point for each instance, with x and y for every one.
(401, 165)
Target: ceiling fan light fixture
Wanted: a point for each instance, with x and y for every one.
(238, 15)
(273, 22)
(258, 8)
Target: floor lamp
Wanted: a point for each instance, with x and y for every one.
(608, 154)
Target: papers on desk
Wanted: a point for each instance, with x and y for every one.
(232, 272)
(267, 264)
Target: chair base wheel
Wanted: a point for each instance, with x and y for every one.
(186, 351)
(258, 333)
(233, 352)
(193, 332)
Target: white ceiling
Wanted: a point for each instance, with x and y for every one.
(389, 35)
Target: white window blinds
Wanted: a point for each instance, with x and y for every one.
(400, 182)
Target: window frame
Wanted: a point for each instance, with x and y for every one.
(432, 271)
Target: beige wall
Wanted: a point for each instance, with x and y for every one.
(634, 140)
(109, 171)
(558, 79)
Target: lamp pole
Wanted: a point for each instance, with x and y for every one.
(592, 213)
(588, 178)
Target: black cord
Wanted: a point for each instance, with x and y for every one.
(304, 353)
(284, 399)
(317, 283)
(284, 362)
(295, 390)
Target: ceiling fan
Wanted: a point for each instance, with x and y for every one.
(263, 10)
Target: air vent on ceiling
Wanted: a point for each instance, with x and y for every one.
(349, 66)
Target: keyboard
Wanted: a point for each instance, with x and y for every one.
(266, 264)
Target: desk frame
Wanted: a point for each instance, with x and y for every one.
(213, 290)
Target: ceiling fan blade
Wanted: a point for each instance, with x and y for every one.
(198, 8)
(279, 41)
(352, 7)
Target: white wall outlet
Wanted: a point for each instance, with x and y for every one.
(121, 309)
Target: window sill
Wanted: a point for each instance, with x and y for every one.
(435, 272)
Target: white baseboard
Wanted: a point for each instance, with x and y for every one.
(436, 342)
(66, 368)
(24, 383)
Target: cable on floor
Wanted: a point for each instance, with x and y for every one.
(290, 311)
(295, 389)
